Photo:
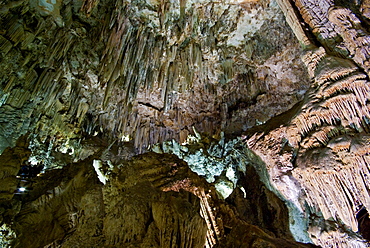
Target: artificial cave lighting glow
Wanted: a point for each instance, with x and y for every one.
(33, 160)
(125, 138)
(224, 188)
(97, 165)
(244, 193)
(66, 148)
(231, 175)
(22, 189)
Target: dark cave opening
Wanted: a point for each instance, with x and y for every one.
(363, 223)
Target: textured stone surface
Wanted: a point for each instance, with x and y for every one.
(152, 200)
(320, 157)
(70, 208)
(90, 84)
(156, 69)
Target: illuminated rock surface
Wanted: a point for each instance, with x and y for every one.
(184, 123)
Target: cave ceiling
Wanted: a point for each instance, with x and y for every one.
(184, 123)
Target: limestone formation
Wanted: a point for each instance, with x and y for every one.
(334, 116)
(185, 123)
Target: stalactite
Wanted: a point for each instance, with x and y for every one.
(339, 95)
(347, 190)
(315, 15)
(355, 38)
(320, 137)
(5, 45)
(293, 21)
(89, 5)
(333, 175)
(18, 98)
(312, 58)
(328, 136)
(331, 68)
(16, 33)
(213, 232)
(60, 47)
(355, 83)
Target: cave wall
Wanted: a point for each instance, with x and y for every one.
(156, 69)
(88, 85)
(321, 163)
(151, 200)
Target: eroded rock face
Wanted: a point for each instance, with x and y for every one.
(320, 157)
(153, 200)
(93, 83)
(70, 207)
(144, 71)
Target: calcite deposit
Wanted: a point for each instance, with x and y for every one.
(322, 162)
(187, 123)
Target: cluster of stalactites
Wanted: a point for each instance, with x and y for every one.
(160, 81)
(336, 239)
(338, 189)
(337, 100)
(327, 130)
(355, 38)
(137, 60)
(315, 15)
(328, 22)
(332, 165)
(35, 92)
